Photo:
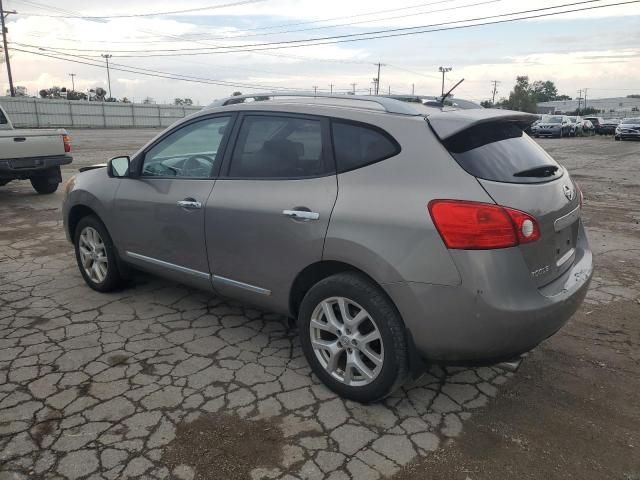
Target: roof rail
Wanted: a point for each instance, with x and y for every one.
(390, 105)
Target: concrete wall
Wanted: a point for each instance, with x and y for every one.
(27, 112)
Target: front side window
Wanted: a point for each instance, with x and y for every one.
(279, 147)
(358, 145)
(3, 119)
(191, 151)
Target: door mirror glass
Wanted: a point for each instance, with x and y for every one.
(119, 166)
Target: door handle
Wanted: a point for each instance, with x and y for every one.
(301, 214)
(189, 204)
(19, 139)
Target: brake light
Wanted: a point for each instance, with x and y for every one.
(481, 226)
(66, 140)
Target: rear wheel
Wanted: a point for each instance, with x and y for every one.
(353, 337)
(96, 255)
(44, 185)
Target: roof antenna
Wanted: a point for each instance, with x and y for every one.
(444, 97)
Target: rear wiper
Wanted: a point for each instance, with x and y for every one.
(542, 171)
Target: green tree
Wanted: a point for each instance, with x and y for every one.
(521, 97)
(544, 91)
(486, 104)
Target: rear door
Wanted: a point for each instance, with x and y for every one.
(268, 217)
(516, 172)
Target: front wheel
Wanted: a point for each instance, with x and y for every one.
(353, 337)
(96, 255)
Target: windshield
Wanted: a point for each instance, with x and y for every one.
(631, 120)
(573, 119)
(554, 120)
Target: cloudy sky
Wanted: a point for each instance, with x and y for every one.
(597, 49)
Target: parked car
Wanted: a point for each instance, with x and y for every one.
(391, 234)
(608, 127)
(628, 129)
(554, 126)
(597, 122)
(587, 128)
(34, 155)
(576, 126)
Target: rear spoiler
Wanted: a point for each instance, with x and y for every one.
(449, 123)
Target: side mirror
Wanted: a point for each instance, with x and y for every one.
(118, 167)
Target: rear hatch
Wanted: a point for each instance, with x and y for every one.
(517, 173)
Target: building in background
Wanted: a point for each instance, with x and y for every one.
(617, 107)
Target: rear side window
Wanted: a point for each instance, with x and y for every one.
(3, 119)
(358, 145)
(279, 147)
(502, 152)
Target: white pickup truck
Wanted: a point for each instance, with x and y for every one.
(35, 155)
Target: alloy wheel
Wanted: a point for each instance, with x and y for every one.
(93, 255)
(346, 341)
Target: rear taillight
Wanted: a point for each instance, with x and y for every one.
(479, 226)
(66, 139)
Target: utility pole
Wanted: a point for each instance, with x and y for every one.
(331, 88)
(579, 100)
(377, 79)
(315, 90)
(107, 56)
(389, 89)
(353, 86)
(444, 70)
(585, 98)
(3, 15)
(73, 83)
(413, 89)
(495, 90)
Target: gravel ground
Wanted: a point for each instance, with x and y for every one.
(161, 381)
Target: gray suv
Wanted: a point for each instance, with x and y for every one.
(392, 235)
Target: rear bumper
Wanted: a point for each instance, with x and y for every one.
(22, 168)
(496, 313)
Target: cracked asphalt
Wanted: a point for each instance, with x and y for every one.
(111, 386)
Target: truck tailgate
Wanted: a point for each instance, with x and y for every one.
(30, 143)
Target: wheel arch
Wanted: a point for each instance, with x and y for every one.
(77, 213)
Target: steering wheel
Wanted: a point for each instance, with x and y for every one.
(193, 168)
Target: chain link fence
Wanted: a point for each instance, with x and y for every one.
(26, 112)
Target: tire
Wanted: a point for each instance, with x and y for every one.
(382, 322)
(44, 185)
(101, 279)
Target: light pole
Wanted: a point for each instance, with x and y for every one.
(73, 83)
(444, 70)
(107, 56)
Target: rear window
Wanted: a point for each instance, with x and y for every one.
(503, 153)
(357, 145)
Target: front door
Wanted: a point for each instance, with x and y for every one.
(267, 218)
(160, 213)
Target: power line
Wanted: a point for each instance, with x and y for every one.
(149, 14)
(160, 74)
(390, 33)
(286, 31)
